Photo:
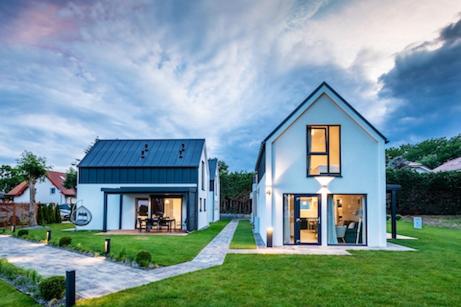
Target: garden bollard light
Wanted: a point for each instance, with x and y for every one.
(48, 236)
(70, 288)
(270, 231)
(107, 247)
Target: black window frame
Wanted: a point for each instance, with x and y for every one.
(203, 175)
(326, 153)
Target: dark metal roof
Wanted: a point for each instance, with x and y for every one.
(212, 164)
(262, 147)
(159, 153)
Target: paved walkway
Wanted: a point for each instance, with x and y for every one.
(97, 276)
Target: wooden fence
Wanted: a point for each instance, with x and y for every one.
(238, 206)
(14, 213)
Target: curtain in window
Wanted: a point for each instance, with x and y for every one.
(331, 224)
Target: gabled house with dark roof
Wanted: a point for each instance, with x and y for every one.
(48, 190)
(138, 184)
(321, 177)
(214, 191)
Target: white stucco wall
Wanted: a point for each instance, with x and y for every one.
(217, 196)
(213, 198)
(203, 193)
(91, 196)
(43, 194)
(362, 163)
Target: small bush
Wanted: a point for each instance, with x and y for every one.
(64, 241)
(143, 258)
(398, 217)
(23, 232)
(52, 287)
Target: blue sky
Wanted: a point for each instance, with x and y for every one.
(227, 71)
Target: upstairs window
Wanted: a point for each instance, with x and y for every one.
(52, 190)
(203, 176)
(324, 150)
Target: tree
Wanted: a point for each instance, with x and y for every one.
(234, 184)
(33, 168)
(9, 177)
(71, 179)
(431, 152)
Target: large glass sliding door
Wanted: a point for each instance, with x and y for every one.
(301, 214)
(347, 219)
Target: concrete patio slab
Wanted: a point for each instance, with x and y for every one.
(400, 237)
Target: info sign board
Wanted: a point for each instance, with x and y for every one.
(417, 222)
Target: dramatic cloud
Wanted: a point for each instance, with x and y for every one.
(228, 71)
(427, 79)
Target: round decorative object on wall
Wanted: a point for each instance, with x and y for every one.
(81, 216)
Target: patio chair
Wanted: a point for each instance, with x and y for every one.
(142, 223)
(341, 233)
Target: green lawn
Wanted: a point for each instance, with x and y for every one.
(165, 250)
(243, 237)
(12, 297)
(428, 277)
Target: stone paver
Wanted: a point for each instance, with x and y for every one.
(97, 276)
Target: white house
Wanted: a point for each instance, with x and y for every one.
(214, 189)
(48, 190)
(321, 177)
(127, 183)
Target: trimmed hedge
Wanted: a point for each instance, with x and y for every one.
(52, 287)
(64, 241)
(23, 232)
(427, 194)
(143, 258)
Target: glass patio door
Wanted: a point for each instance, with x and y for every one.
(307, 219)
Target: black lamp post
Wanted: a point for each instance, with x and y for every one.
(70, 288)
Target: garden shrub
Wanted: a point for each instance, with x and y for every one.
(64, 241)
(52, 287)
(428, 193)
(11, 272)
(23, 232)
(57, 214)
(143, 258)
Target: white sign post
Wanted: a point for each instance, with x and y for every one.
(417, 222)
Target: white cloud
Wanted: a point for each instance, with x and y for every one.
(226, 71)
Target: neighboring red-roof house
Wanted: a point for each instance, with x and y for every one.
(451, 165)
(49, 190)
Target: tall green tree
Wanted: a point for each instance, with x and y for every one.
(71, 179)
(9, 177)
(33, 168)
(234, 184)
